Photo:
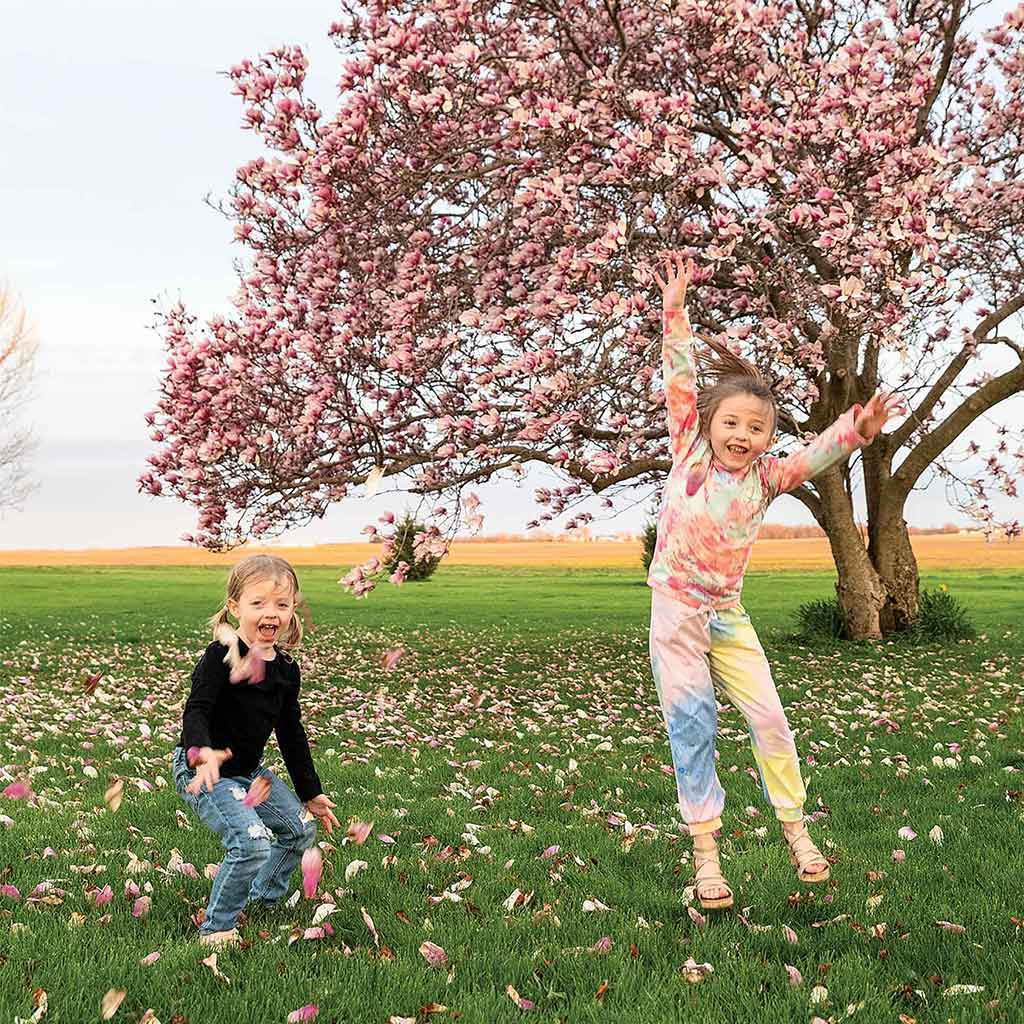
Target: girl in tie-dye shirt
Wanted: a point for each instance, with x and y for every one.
(721, 483)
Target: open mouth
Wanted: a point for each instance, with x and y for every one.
(734, 449)
(267, 631)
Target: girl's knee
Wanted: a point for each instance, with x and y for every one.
(772, 734)
(251, 847)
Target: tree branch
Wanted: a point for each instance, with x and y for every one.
(901, 435)
(934, 444)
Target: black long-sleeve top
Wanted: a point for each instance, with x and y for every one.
(241, 716)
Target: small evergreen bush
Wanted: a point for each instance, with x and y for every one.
(943, 617)
(821, 620)
(405, 535)
(650, 540)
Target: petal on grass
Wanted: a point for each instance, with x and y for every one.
(111, 1001)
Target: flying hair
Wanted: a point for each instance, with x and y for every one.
(721, 374)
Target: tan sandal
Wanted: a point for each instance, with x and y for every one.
(707, 876)
(803, 853)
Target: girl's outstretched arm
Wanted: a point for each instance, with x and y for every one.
(856, 428)
(679, 368)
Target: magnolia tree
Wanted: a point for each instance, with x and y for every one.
(450, 277)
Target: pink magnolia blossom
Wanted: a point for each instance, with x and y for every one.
(312, 868)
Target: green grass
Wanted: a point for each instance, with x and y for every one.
(522, 717)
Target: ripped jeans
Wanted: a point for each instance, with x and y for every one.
(254, 866)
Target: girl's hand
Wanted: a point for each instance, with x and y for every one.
(880, 408)
(677, 276)
(320, 807)
(208, 761)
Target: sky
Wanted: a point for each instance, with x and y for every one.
(117, 124)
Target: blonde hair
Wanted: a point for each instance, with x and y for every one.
(722, 374)
(256, 569)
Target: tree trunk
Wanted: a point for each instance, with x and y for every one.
(893, 557)
(859, 589)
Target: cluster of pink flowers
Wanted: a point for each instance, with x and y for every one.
(450, 276)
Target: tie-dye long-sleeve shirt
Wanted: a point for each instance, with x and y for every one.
(710, 515)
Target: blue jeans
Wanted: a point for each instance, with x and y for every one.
(253, 867)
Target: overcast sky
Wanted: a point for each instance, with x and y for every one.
(116, 122)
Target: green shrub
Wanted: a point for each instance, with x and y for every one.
(650, 539)
(405, 534)
(940, 617)
(821, 620)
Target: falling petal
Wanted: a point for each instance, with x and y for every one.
(373, 479)
(142, 906)
(307, 1012)
(111, 1001)
(368, 921)
(795, 977)
(907, 833)
(935, 835)
(150, 958)
(258, 792)
(312, 869)
(359, 832)
(790, 935)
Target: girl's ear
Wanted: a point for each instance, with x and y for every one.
(232, 607)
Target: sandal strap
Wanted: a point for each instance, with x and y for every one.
(708, 871)
(804, 849)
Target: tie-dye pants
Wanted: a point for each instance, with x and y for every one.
(692, 650)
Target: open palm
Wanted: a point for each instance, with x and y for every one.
(881, 407)
(678, 274)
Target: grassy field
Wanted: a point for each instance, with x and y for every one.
(521, 719)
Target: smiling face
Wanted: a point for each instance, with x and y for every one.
(263, 609)
(741, 430)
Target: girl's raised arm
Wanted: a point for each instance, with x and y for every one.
(679, 367)
(856, 428)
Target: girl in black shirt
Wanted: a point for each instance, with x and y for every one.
(246, 686)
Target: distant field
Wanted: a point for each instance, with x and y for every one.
(934, 551)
